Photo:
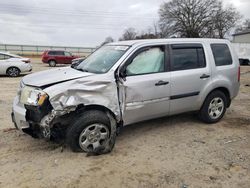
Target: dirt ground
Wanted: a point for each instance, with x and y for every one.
(177, 151)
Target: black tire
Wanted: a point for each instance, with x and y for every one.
(205, 111)
(13, 72)
(80, 126)
(52, 63)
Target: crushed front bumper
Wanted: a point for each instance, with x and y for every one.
(19, 115)
(34, 121)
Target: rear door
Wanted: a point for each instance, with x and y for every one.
(146, 85)
(190, 74)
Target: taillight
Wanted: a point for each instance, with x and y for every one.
(239, 74)
(26, 61)
(44, 54)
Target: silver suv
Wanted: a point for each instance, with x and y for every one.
(127, 82)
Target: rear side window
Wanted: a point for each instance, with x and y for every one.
(51, 52)
(222, 55)
(3, 57)
(187, 56)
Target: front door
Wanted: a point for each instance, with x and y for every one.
(146, 85)
(68, 57)
(4, 63)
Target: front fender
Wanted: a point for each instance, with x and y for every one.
(70, 94)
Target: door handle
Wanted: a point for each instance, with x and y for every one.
(161, 82)
(204, 76)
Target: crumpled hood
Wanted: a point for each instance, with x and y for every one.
(49, 77)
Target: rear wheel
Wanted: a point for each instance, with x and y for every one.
(214, 107)
(52, 63)
(13, 72)
(91, 133)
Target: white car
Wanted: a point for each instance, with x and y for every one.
(13, 65)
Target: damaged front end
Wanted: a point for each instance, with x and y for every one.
(39, 113)
(50, 110)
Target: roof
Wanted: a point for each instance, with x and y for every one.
(242, 33)
(146, 41)
(7, 53)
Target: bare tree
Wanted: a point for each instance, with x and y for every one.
(225, 19)
(196, 18)
(129, 34)
(246, 24)
(144, 35)
(107, 40)
(243, 26)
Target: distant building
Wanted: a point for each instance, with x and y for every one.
(242, 37)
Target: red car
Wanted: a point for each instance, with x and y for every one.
(53, 57)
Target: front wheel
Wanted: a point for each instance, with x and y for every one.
(214, 107)
(91, 133)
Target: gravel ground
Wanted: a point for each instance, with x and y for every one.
(177, 151)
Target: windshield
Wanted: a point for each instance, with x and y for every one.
(102, 59)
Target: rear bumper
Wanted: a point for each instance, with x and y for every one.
(27, 68)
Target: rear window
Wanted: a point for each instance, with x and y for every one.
(56, 53)
(222, 55)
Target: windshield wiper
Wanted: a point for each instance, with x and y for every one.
(83, 70)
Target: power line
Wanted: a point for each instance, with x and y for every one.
(78, 21)
(78, 27)
(56, 11)
(91, 23)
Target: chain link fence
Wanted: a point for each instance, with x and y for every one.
(30, 50)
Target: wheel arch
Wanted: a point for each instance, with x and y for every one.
(225, 91)
(12, 67)
(52, 59)
(102, 108)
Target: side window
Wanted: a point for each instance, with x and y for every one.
(187, 56)
(61, 53)
(148, 61)
(7, 57)
(222, 55)
(51, 53)
(1, 57)
(67, 54)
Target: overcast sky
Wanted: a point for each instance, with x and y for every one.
(79, 23)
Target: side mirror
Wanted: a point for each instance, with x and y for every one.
(123, 73)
